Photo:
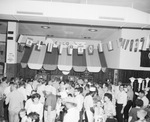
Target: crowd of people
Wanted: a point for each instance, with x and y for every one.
(56, 100)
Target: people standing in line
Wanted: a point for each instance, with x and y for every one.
(121, 101)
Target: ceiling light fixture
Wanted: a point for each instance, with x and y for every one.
(87, 37)
(92, 30)
(45, 27)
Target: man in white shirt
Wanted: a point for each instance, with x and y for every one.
(72, 112)
(79, 99)
(121, 103)
(89, 105)
(15, 101)
(143, 98)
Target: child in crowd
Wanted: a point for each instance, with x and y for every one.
(98, 112)
(33, 117)
(141, 114)
(22, 115)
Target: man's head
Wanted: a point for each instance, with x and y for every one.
(35, 98)
(107, 97)
(121, 88)
(78, 90)
(141, 94)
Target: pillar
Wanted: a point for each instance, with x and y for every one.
(11, 53)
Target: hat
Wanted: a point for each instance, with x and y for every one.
(92, 89)
(70, 100)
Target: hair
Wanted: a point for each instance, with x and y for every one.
(4, 79)
(106, 84)
(70, 95)
(71, 83)
(80, 89)
(87, 86)
(21, 83)
(34, 116)
(108, 95)
(15, 85)
(36, 95)
(139, 102)
(141, 91)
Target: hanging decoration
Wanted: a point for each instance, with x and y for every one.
(91, 49)
(49, 47)
(139, 81)
(143, 85)
(136, 45)
(147, 41)
(60, 47)
(110, 46)
(132, 79)
(123, 43)
(39, 45)
(100, 47)
(147, 81)
(131, 45)
(141, 43)
(29, 42)
(70, 49)
(80, 49)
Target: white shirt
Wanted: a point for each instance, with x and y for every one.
(72, 115)
(122, 98)
(7, 90)
(79, 100)
(40, 90)
(145, 101)
(22, 90)
(88, 102)
(28, 89)
(109, 109)
(38, 108)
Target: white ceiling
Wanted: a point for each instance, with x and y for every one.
(76, 31)
(142, 5)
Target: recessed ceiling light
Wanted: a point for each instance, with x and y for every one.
(87, 37)
(45, 27)
(92, 30)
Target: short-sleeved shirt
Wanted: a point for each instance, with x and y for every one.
(133, 114)
(51, 101)
(15, 100)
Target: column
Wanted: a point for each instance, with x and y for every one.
(11, 53)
